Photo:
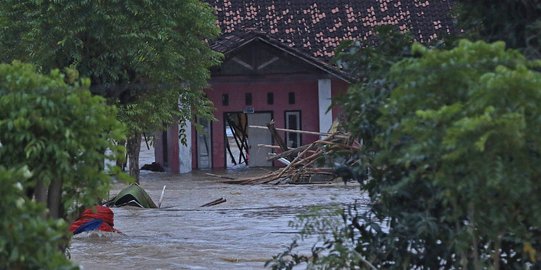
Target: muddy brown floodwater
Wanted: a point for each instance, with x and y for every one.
(241, 233)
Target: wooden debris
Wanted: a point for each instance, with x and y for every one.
(215, 202)
(309, 161)
(268, 146)
(289, 152)
(276, 137)
(220, 176)
(161, 197)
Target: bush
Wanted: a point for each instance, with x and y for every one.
(54, 128)
(60, 131)
(455, 178)
(28, 241)
(460, 151)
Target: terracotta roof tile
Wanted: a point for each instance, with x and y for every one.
(316, 27)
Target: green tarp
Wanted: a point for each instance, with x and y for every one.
(133, 195)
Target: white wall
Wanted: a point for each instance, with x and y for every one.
(324, 94)
(185, 151)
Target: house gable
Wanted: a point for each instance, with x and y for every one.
(258, 58)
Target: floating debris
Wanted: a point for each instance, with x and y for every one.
(310, 163)
(132, 195)
(215, 202)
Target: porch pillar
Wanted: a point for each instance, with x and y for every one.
(158, 148)
(173, 148)
(185, 151)
(324, 101)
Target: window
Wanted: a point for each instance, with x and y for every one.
(225, 99)
(293, 121)
(270, 98)
(248, 99)
(291, 97)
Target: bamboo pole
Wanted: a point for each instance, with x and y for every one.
(269, 146)
(294, 161)
(289, 152)
(303, 132)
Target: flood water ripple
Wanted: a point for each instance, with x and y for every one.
(242, 233)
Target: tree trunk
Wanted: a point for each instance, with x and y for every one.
(475, 237)
(133, 148)
(54, 199)
(56, 207)
(497, 251)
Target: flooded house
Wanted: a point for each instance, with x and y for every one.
(277, 66)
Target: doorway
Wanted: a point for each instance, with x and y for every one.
(259, 155)
(241, 142)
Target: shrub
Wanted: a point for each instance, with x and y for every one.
(27, 241)
(455, 178)
(60, 131)
(54, 128)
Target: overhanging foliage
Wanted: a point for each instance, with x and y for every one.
(60, 131)
(452, 166)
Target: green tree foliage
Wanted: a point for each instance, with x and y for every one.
(117, 44)
(518, 23)
(142, 54)
(459, 150)
(60, 132)
(28, 241)
(454, 182)
(371, 65)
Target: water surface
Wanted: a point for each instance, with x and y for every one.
(241, 233)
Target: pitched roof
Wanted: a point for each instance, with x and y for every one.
(231, 42)
(316, 27)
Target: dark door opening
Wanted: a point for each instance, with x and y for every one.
(236, 139)
(165, 149)
(241, 142)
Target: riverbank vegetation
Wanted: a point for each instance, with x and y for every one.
(99, 74)
(451, 141)
(150, 58)
(54, 132)
(28, 242)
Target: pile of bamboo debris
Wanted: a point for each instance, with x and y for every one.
(305, 164)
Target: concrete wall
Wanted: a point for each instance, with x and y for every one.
(306, 101)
